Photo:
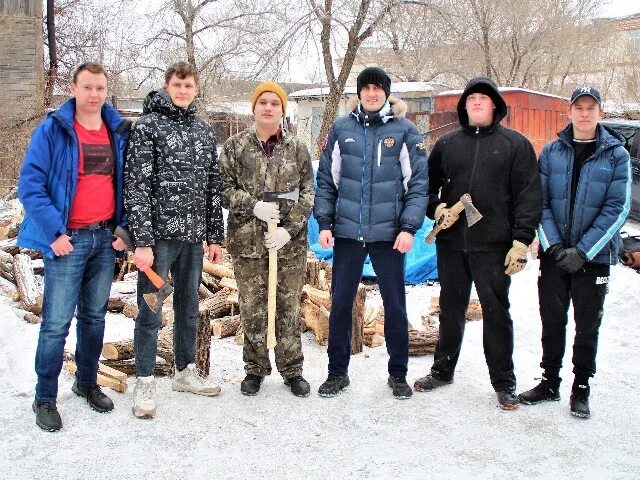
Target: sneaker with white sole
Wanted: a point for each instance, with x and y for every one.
(144, 397)
(189, 380)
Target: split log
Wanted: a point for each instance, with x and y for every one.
(217, 305)
(211, 282)
(203, 344)
(225, 326)
(9, 290)
(6, 265)
(162, 369)
(230, 283)
(422, 342)
(239, 339)
(357, 315)
(204, 292)
(317, 296)
(130, 310)
(122, 350)
(474, 310)
(219, 270)
(32, 318)
(165, 344)
(316, 317)
(111, 372)
(10, 246)
(316, 275)
(121, 293)
(102, 380)
(374, 340)
(28, 285)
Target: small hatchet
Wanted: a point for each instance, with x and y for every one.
(153, 300)
(471, 212)
(293, 197)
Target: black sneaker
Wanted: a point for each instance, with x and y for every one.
(428, 383)
(508, 399)
(299, 386)
(333, 385)
(579, 401)
(251, 384)
(545, 391)
(47, 416)
(95, 397)
(400, 387)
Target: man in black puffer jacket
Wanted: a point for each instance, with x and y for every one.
(173, 202)
(498, 168)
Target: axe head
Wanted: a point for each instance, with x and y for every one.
(291, 196)
(471, 212)
(155, 300)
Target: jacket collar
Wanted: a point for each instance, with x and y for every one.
(285, 136)
(393, 108)
(605, 137)
(67, 111)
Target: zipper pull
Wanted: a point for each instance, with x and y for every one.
(477, 130)
(379, 152)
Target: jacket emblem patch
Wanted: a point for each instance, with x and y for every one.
(389, 142)
(350, 140)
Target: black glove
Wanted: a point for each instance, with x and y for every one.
(554, 251)
(571, 260)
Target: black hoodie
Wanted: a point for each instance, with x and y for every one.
(497, 167)
(172, 177)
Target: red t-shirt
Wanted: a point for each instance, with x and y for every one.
(95, 194)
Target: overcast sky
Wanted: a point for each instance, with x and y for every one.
(619, 8)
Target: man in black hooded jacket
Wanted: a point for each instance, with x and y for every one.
(498, 168)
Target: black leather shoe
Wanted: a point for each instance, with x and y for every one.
(333, 385)
(299, 386)
(579, 401)
(400, 387)
(95, 397)
(251, 384)
(508, 399)
(47, 416)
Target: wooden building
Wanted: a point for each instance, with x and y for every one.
(537, 115)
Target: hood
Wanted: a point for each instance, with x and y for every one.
(159, 101)
(398, 107)
(488, 87)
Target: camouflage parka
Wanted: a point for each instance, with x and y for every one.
(247, 173)
(172, 176)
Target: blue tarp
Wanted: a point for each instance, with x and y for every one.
(420, 260)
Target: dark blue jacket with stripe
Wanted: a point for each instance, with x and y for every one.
(602, 201)
(372, 177)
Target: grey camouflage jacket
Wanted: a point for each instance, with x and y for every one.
(247, 173)
(172, 177)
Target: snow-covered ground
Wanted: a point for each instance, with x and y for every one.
(455, 432)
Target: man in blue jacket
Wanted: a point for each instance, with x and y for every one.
(71, 187)
(586, 187)
(372, 198)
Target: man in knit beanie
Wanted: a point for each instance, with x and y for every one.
(267, 158)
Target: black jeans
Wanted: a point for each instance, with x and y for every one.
(348, 260)
(587, 289)
(457, 270)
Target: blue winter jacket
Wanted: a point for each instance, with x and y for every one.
(372, 177)
(603, 196)
(49, 175)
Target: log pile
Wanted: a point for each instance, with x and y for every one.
(107, 376)
(21, 278)
(474, 310)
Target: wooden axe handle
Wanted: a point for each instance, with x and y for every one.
(273, 285)
(154, 277)
(457, 209)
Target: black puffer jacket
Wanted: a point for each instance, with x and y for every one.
(498, 167)
(172, 179)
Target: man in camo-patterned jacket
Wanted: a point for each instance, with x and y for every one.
(264, 158)
(173, 202)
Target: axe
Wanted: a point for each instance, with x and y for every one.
(153, 300)
(291, 196)
(471, 212)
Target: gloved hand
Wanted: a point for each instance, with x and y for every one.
(444, 217)
(555, 250)
(516, 258)
(277, 239)
(267, 211)
(570, 260)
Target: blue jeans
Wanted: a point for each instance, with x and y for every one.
(184, 261)
(81, 279)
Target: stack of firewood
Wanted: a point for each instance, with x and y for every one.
(21, 278)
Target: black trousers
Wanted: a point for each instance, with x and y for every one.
(348, 260)
(587, 290)
(457, 270)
